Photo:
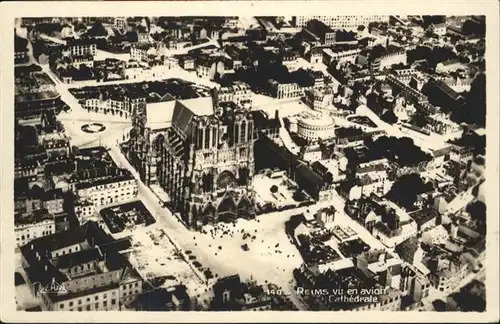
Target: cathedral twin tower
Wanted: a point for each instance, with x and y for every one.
(205, 160)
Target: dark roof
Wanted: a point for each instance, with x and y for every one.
(450, 62)
(318, 28)
(422, 216)
(308, 173)
(228, 283)
(34, 309)
(182, 118)
(21, 187)
(53, 194)
(20, 44)
(116, 246)
(77, 42)
(18, 279)
(44, 272)
(38, 253)
(262, 120)
(89, 232)
(85, 185)
(373, 255)
(444, 88)
(320, 167)
(371, 168)
(161, 299)
(305, 36)
(443, 151)
(35, 216)
(83, 256)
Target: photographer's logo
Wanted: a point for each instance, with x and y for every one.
(53, 288)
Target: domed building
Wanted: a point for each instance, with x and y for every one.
(315, 126)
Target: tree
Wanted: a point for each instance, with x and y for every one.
(471, 27)
(477, 210)
(400, 150)
(460, 48)
(97, 29)
(79, 27)
(419, 119)
(419, 53)
(474, 109)
(405, 190)
(389, 117)
(377, 51)
(440, 54)
(464, 59)
(132, 37)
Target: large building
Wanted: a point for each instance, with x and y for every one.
(81, 269)
(315, 126)
(204, 161)
(37, 224)
(341, 22)
(324, 33)
(79, 47)
(108, 191)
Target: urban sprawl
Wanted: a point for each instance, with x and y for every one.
(244, 163)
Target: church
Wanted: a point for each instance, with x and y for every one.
(200, 151)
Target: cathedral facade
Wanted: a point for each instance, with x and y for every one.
(205, 160)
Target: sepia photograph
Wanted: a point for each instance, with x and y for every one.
(193, 162)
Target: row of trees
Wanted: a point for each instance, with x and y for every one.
(400, 150)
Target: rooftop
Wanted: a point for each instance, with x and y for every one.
(318, 28)
(67, 261)
(99, 182)
(34, 217)
(42, 267)
(318, 120)
(422, 216)
(451, 62)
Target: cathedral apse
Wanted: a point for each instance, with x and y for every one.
(204, 161)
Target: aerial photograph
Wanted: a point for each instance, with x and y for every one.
(250, 163)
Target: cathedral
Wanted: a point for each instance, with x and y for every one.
(203, 159)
